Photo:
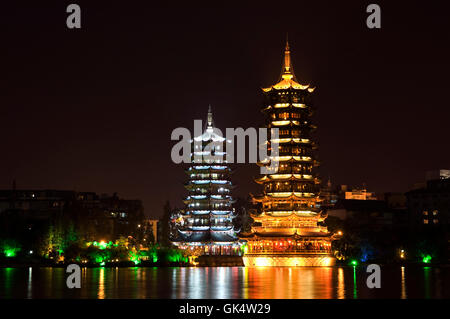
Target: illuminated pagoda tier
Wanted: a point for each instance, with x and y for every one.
(287, 230)
(205, 226)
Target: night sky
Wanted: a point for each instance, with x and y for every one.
(93, 109)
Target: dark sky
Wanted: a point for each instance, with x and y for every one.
(93, 109)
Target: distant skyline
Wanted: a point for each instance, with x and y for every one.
(93, 109)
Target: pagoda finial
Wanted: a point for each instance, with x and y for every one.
(287, 66)
(210, 118)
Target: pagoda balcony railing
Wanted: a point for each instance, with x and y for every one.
(197, 223)
(292, 226)
(293, 153)
(205, 205)
(193, 227)
(290, 207)
(289, 251)
(289, 188)
(213, 176)
(208, 223)
(211, 190)
(222, 224)
(294, 170)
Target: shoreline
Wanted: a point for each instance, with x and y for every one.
(171, 265)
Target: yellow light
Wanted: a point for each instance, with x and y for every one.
(280, 176)
(281, 105)
(281, 140)
(280, 123)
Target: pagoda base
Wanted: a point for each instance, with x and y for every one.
(288, 260)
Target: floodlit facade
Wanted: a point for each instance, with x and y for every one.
(287, 228)
(205, 226)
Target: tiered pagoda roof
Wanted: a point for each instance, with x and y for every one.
(208, 215)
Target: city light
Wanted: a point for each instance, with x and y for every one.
(10, 252)
(426, 259)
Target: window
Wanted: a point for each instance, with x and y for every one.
(435, 212)
(284, 116)
(435, 221)
(425, 221)
(425, 213)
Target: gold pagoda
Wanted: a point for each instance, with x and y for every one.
(287, 228)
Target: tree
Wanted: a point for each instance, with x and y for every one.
(165, 224)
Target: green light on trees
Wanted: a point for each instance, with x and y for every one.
(10, 252)
(426, 259)
(10, 248)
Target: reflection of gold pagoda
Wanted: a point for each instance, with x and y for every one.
(287, 232)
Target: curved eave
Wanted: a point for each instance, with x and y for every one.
(208, 171)
(284, 178)
(294, 215)
(286, 195)
(286, 84)
(288, 158)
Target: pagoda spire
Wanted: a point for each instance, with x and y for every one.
(210, 122)
(287, 71)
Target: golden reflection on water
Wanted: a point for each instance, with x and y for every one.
(101, 284)
(403, 281)
(288, 283)
(225, 282)
(244, 270)
(341, 284)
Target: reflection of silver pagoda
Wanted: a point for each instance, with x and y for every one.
(206, 224)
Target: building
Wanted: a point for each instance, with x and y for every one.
(437, 174)
(97, 217)
(373, 230)
(373, 215)
(360, 194)
(35, 204)
(205, 226)
(121, 217)
(151, 227)
(429, 209)
(328, 197)
(430, 206)
(287, 230)
(356, 193)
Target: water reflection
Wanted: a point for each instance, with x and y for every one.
(341, 284)
(30, 283)
(101, 284)
(355, 289)
(226, 282)
(403, 293)
(427, 282)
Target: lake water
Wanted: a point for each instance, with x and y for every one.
(227, 282)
